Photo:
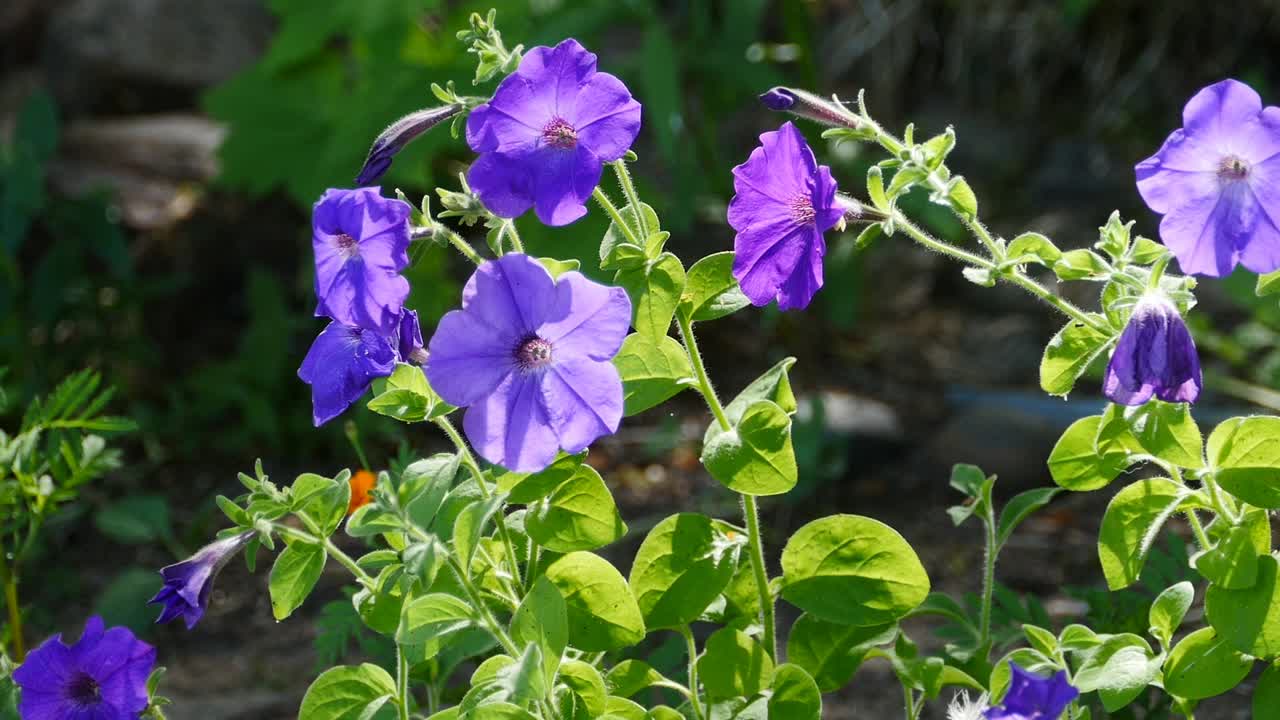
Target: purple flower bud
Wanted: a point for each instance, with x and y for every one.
(1155, 356)
(411, 347)
(396, 136)
(807, 105)
(103, 675)
(1031, 697)
(187, 584)
(341, 364)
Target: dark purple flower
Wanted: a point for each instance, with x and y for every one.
(1217, 183)
(187, 584)
(529, 357)
(102, 677)
(545, 135)
(396, 136)
(785, 200)
(1155, 356)
(807, 105)
(1032, 697)
(340, 366)
(410, 345)
(361, 241)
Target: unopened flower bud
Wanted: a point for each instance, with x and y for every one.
(807, 105)
(396, 136)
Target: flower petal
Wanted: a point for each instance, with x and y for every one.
(1178, 174)
(1216, 111)
(607, 117)
(1261, 251)
(781, 168)
(468, 358)
(766, 256)
(510, 123)
(513, 294)
(558, 75)
(797, 291)
(1203, 234)
(590, 320)
(340, 365)
(583, 400)
(510, 427)
(503, 182)
(564, 182)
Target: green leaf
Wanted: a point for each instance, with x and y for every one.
(347, 692)
(580, 514)
(734, 664)
(424, 485)
(655, 290)
(652, 369)
(1245, 453)
(1019, 507)
(1168, 610)
(1167, 431)
(1118, 670)
(543, 618)
(1113, 238)
(683, 564)
(559, 267)
(521, 682)
(875, 188)
(1249, 619)
(756, 456)
(1080, 265)
(602, 613)
(327, 501)
(585, 682)
(468, 528)
(773, 385)
(408, 398)
(380, 607)
(710, 290)
(1033, 247)
(615, 250)
(1202, 665)
(372, 520)
(833, 652)
(1266, 695)
(293, 576)
(431, 617)
(498, 711)
(1146, 251)
(135, 519)
(963, 201)
(853, 570)
(795, 695)
(525, 488)
(1075, 638)
(1076, 465)
(616, 708)
(1232, 563)
(631, 676)
(1130, 526)
(1040, 639)
(1069, 354)
(1268, 283)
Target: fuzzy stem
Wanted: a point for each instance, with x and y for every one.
(461, 245)
(700, 371)
(988, 579)
(9, 577)
(616, 216)
(692, 648)
(633, 199)
(402, 683)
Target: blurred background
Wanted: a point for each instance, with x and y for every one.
(158, 160)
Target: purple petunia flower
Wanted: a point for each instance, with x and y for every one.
(1032, 697)
(785, 200)
(340, 366)
(187, 584)
(547, 132)
(101, 677)
(1155, 356)
(396, 136)
(529, 356)
(1215, 180)
(361, 241)
(409, 339)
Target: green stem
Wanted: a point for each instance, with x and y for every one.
(750, 510)
(469, 461)
(512, 233)
(402, 683)
(633, 199)
(9, 577)
(920, 236)
(909, 702)
(988, 581)
(486, 617)
(1198, 530)
(330, 548)
(1215, 497)
(461, 245)
(692, 648)
(616, 216)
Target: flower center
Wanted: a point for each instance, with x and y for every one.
(802, 209)
(533, 352)
(560, 134)
(347, 246)
(1232, 167)
(84, 690)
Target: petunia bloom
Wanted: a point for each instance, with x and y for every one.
(187, 584)
(361, 242)
(529, 357)
(1215, 180)
(341, 364)
(396, 136)
(1031, 697)
(103, 676)
(1155, 356)
(544, 137)
(783, 204)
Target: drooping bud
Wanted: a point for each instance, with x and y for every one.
(1155, 356)
(187, 584)
(807, 105)
(396, 136)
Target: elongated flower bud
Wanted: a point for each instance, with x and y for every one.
(396, 136)
(807, 105)
(1155, 356)
(187, 584)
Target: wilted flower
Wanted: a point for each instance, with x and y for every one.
(341, 364)
(1155, 356)
(1215, 180)
(529, 356)
(783, 204)
(361, 241)
(547, 132)
(187, 584)
(104, 675)
(396, 136)
(1031, 697)
(807, 105)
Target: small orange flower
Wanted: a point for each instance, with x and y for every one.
(361, 483)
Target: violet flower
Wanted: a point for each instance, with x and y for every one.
(785, 201)
(529, 357)
(1155, 356)
(544, 137)
(361, 241)
(1215, 182)
(187, 584)
(1031, 697)
(409, 339)
(341, 364)
(103, 676)
(396, 136)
